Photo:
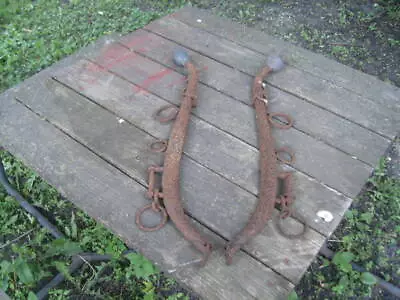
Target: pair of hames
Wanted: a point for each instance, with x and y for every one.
(167, 200)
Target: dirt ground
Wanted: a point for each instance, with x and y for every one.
(363, 34)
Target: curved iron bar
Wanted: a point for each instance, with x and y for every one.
(268, 165)
(173, 154)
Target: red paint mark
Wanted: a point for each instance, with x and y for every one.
(205, 68)
(114, 55)
(141, 50)
(183, 79)
(130, 43)
(90, 81)
(120, 59)
(156, 77)
(177, 82)
(95, 68)
(286, 261)
(151, 79)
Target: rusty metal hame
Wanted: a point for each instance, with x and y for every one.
(269, 174)
(171, 199)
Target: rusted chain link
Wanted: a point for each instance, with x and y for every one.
(155, 195)
(286, 201)
(173, 155)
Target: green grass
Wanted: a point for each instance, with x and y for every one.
(29, 255)
(368, 236)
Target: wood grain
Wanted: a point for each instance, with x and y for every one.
(311, 119)
(214, 149)
(305, 60)
(315, 158)
(206, 194)
(369, 113)
(112, 198)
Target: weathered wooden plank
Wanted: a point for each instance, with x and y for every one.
(113, 198)
(137, 106)
(127, 147)
(315, 158)
(341, 75)
(311, 119)
(3, 295)
(369, 113)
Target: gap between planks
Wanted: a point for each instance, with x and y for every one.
(174, 29)
(325, 178)
(63, 159)
(302, 59)
(123, 90)
(205, 83)
(51, 116)
(286, 166)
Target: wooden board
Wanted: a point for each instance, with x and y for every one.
(237, 120)
(370, 113)
(86, 123)
(126, 147)
(311, 196)
(313, 63)
(310, 119)
(112, 197)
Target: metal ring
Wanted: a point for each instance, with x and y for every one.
(169, 117)
(154, 228)
(159, 146)
(281, 158)
(286, 125)
(290, 235)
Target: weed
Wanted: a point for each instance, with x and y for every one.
(32, 256)
(370, 229)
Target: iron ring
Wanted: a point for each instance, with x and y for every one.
(287, 118)
(154, 228)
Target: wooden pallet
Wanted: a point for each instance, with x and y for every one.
(85, 125)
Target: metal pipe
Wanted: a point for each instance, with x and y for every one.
(26, 205)
(389, 287)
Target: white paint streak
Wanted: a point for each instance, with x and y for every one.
(120, 121)
(325, 215)
(191, 262)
